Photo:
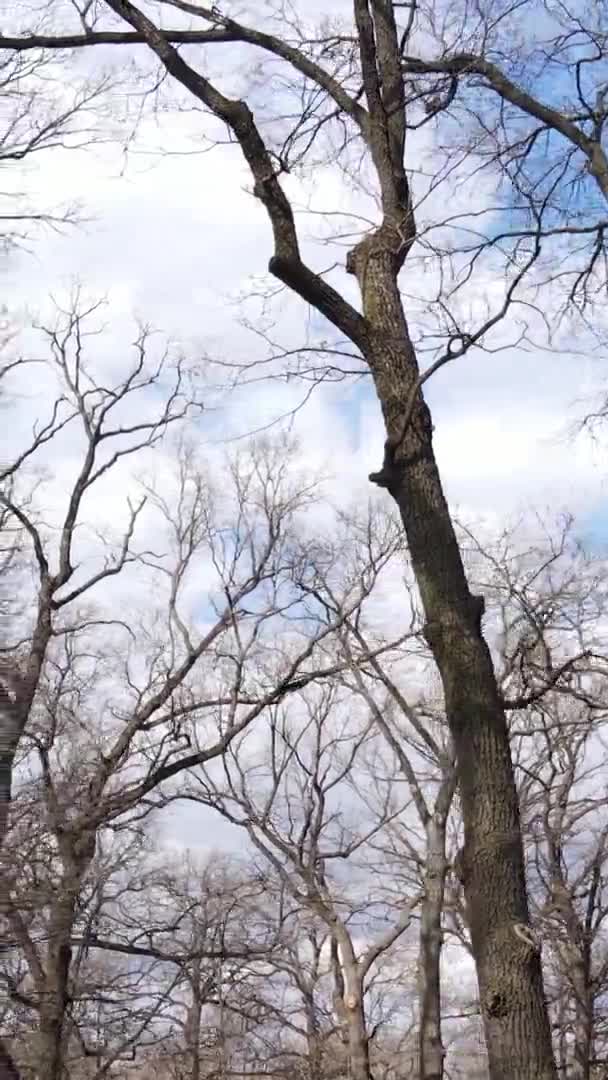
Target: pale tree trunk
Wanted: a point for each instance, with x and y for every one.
(313, 1042)
(431, 1049)
(576, 968)
(358, 1042)
(193, 1021)
(574, 929)
(349, 1007)
(431, 1053)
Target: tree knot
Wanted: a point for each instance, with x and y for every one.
(524, 932)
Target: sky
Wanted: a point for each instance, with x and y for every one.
(176, 240)
(173, 237)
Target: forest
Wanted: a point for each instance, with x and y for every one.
(303, 521)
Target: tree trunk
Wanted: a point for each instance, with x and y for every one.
(575, 965)
(358, 1043)
(313, 1040)
(349, 1006)
(54, 998)
(431, 1050)
(193, 1021)
(509, 971)
(8, 1069)
(77, 852)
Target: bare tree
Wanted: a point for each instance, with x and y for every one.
(546, 618)
(427, 763)
(517, 1028)
(285, 794)
(418, 747)
(111, 707)
(39, 113)
(352, 79)
(107, 440)
(569, 834)
(532, 105)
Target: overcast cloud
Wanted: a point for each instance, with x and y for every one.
(173, 240)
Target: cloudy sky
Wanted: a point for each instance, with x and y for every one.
(173, 237)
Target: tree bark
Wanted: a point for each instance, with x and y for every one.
(77, 851)
(8, 1069)
(54, 995)
(313, 1041)
(509, 972)
(431, 1050)
(193, 1022)
(575, 962)
(358, 1043)
(349, 1006)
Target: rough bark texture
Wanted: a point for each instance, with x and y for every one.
(8, 1069)
(77, 852)
(509, 972)
(54, 998)
(313, 1041)
(576, 955)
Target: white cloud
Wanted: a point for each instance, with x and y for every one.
(174, 238)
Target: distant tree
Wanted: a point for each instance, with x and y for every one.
(102, 704)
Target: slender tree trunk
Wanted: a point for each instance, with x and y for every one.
(8, 1069)
(193, 1022)
(509, 971)
(431, 1050)
(313, 1042)
(349, 1006)
(576, 972)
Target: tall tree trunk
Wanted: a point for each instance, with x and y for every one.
(358, 1042)
(193, 1021)
(54, 996)
(77, 850)
(509, 971)
(575, 964)
(431, 1050)
(349, 1006)
(313, 1041)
